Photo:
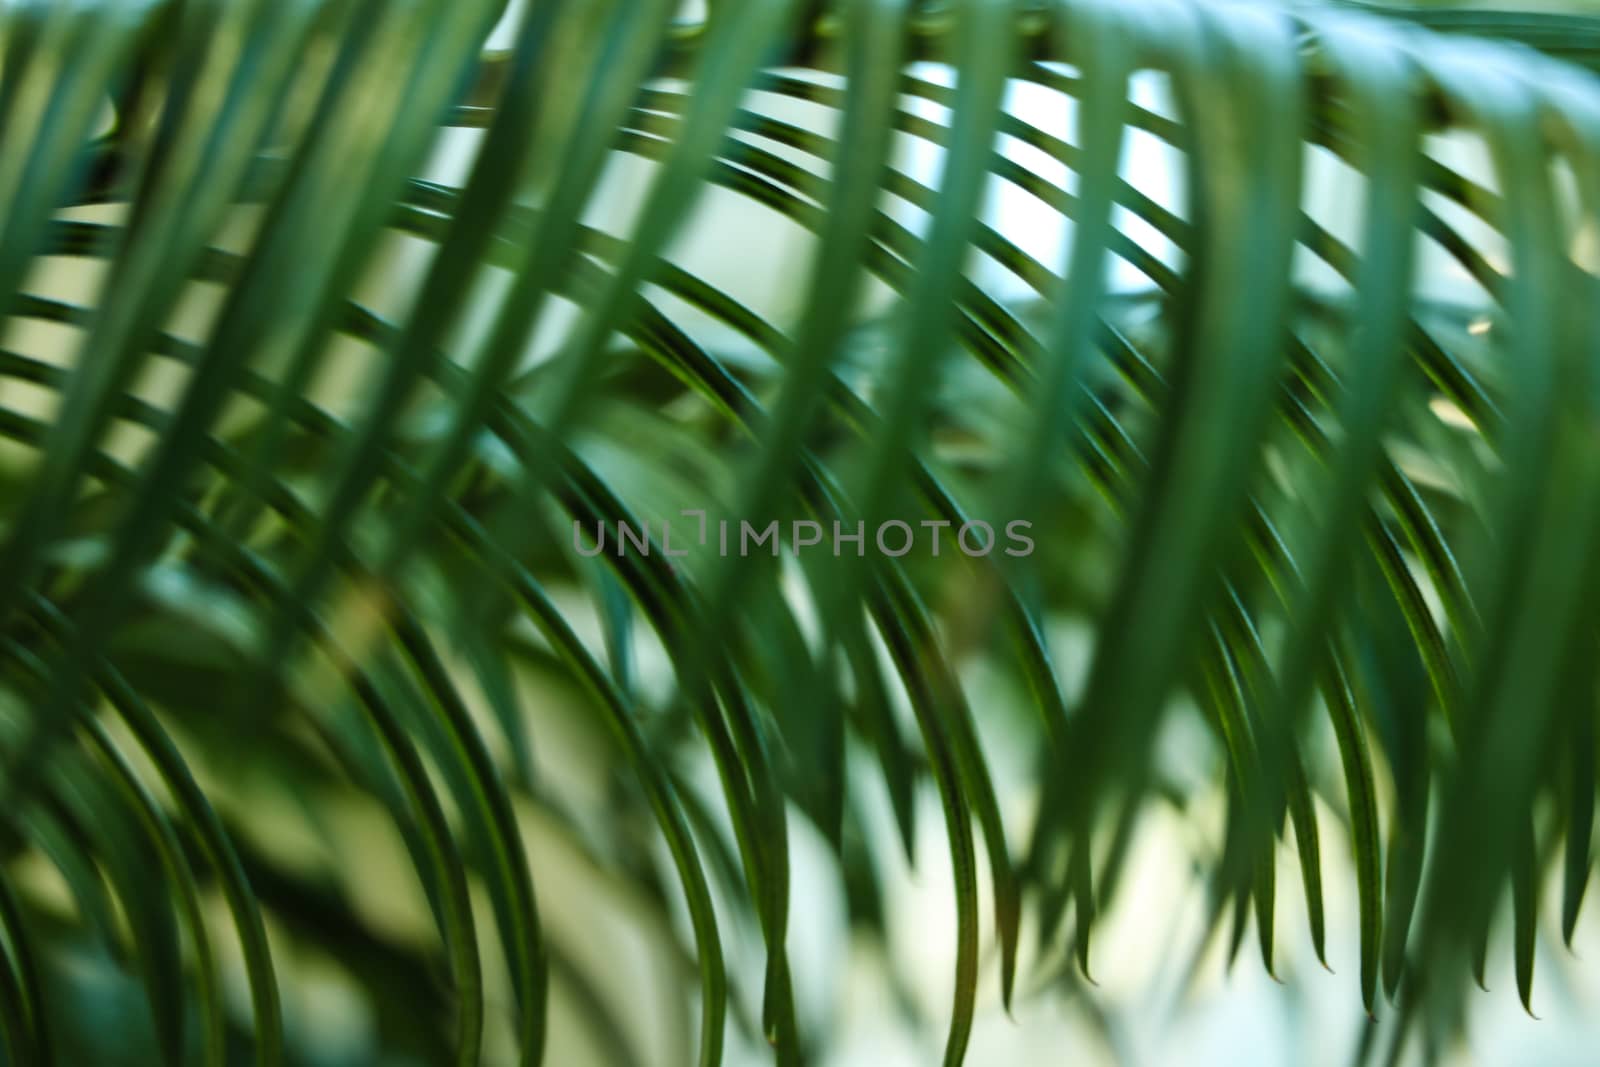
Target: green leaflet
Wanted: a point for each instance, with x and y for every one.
(1364, 833)
(20, 988)
(1580, 830)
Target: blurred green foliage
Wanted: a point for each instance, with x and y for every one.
(312, 714)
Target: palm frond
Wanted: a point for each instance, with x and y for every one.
(315, 420)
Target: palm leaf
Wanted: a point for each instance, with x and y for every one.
(308, 449)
